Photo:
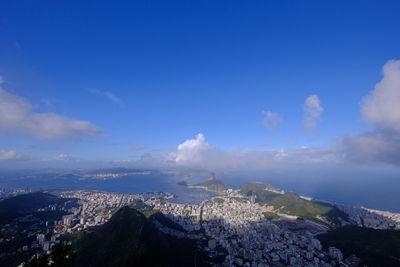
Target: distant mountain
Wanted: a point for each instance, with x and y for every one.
(212, 184)
(118, 170)
(131, 239)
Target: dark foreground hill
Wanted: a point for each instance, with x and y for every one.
(374, 247)
(24, 216)
(25, 204)
(130, 239)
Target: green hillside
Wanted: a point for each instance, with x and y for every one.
(213, 184)
(292, 204)
(263, 196)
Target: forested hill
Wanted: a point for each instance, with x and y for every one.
(25, 204)
(131, 239)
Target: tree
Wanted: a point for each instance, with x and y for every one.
(61, 255)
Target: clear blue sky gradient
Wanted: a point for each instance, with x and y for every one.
(188, 67)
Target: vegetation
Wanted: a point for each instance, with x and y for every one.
(292, 204)
(262, 196)
(61, 255)
(25, 204)
(130, 239)
(167, 222)
(271, 215)
(149, 213)
(213, 184)
(374, 247)
(22, 211)
(139, 205)
(239, 199)
(146, 210)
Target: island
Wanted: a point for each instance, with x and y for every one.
(212, 184)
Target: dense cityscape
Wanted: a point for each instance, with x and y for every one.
(230, 226)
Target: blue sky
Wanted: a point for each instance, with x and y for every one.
(153, 74)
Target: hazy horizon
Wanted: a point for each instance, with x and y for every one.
(304, 94)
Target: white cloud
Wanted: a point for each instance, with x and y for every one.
(110, 96)
(382, 109)
(312, 111)
(11, 155)
(271, 120)
(308, 155)
(376, 146)
(197, 153)
(382, 105)
(62, 157)
(17, 115)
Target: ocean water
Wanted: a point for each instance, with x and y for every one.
(368, 187)
(129, 185)
(371, 188)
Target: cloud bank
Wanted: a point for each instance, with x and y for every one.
(382, 106)
(11, 155)
(17, 116)
(381, 109)
(312, 111)
(197, 153)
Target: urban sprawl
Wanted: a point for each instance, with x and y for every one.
(229, 225)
